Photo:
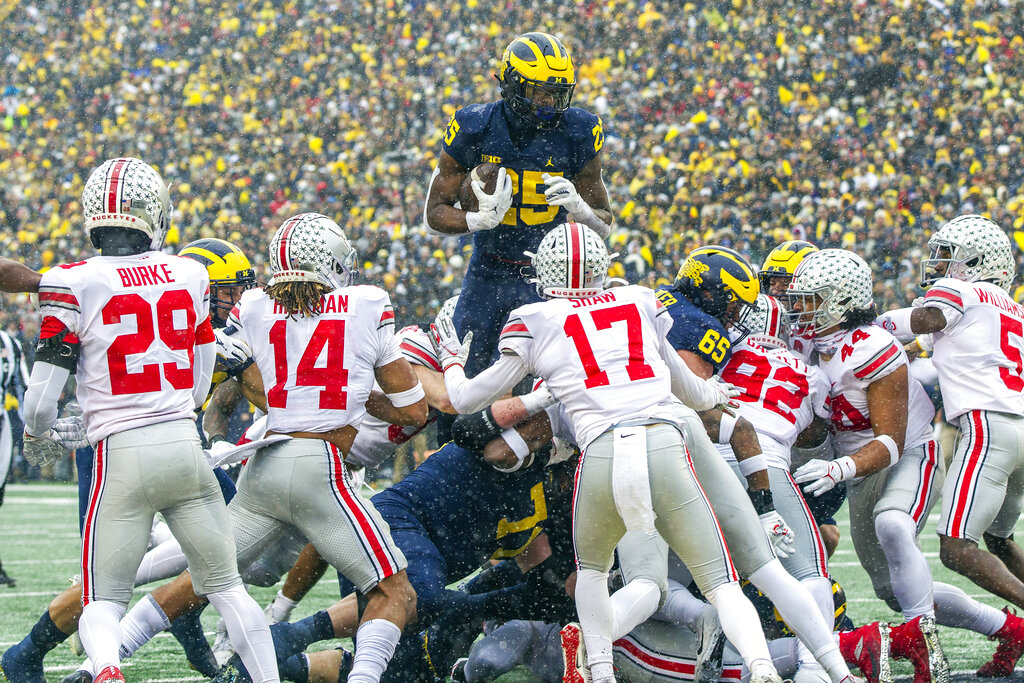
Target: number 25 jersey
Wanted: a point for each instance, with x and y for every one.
(979, 353)
(137, 320)
(318, 371)
(600, 356)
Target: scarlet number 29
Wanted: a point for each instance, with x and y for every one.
(147, 379)
(603, 319)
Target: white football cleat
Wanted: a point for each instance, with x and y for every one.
(222, 649)
(710, 647)
(811, 672)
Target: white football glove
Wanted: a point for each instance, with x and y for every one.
(561, 192)
(724, 393)
(70, 432)
(231, 347)
(216, 450)
(491, 208)
(823, 475)
(43, 450)
(779, 533)
(450, 351)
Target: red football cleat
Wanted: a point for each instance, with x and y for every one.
(867, 648)
(574, 655)
(109, 673)
(918, 641)
(1009, 650)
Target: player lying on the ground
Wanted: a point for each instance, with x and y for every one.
(666, 647)
(448, 516)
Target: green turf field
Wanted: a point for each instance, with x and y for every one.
(39, 546)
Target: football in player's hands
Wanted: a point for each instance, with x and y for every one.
(487, 174)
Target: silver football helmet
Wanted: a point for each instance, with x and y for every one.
(767, 323)
(127, 193)
(828, 286)
(310, 247)
(571, 262)
(447, 310)
(977, 248)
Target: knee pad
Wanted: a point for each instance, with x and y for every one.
(258, 575)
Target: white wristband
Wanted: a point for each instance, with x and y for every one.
(900, 319)
(926, 342)
(518, 445)
(752, 464)
(408, 397)
(847, 468)
(890, 444)
(726, 425)
(538, 400)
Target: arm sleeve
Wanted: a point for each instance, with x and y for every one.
(45, 386)
(471, 395)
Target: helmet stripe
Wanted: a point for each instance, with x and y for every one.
(115, 186)
(773, 326)
(282, 254)
(575, 257)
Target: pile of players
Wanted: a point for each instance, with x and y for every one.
(623, 460)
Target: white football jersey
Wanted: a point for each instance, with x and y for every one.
(377, 440)
(318, 371)
(864, 355)
(599, 356)
(979, 355)
(781, 395)
(138, 319)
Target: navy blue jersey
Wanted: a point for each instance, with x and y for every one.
(694, 330)
(480, 134)
(471, 511)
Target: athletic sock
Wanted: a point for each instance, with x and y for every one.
(801, 611)
(45, 635)
(955, 608)
(740, 623)
(290, 639)
(188, 631)
(294, 668)
(250, 635)
(377, 639)
(281, 608)
(597, 619)
(100, 630)
(632, 605)
(142, 622)
(908, 570)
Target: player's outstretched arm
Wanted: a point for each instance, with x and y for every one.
(471, 395)
(16, 277)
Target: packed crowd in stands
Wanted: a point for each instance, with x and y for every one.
(861, 125)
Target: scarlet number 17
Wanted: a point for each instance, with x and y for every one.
(603, 319)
